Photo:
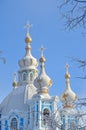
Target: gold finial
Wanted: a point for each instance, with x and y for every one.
(67, 75)
(42, 59)
(28, 39)
(15, 82)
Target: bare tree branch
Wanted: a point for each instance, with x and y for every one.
(74, 12)
(82, 1)
(2, 58)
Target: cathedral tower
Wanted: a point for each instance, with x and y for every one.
(28, 65)
(45, 109)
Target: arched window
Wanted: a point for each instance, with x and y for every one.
(24, 76)
(46, 115)
(31, 76)
(46, 112)
(14, 124)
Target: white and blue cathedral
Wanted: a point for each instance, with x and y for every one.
(30, 106)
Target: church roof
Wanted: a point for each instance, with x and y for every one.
(17, 99)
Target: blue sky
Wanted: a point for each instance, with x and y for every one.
(47, 30)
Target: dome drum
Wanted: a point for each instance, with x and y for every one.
(27, 75)
(43, 91)
(28, 61)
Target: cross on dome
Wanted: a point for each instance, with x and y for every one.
(42, 50)
(42, 59)
(28, 39)
(28, 26)
(15, 75)
(67, 75)
(67, 67)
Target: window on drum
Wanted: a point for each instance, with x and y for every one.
(24, 76)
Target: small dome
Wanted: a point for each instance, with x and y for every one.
(43, 81)
(67, 75)
(68, 97)
(15, 84)
(42, 59)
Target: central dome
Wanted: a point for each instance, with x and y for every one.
(17, 99)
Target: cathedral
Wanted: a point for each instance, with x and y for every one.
(29, 106)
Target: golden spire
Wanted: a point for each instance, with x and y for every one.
(15, 84)
(28, 39)
(67, 75)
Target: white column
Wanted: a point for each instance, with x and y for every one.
(30, 117)
(39, 122)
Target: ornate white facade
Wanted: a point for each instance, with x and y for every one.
(30, 106)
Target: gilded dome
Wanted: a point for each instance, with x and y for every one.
(28, 39)
(67, 75)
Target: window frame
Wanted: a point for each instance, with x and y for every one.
(14, 124)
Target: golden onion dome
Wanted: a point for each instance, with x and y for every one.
(28, 39)
(42, 59)
(67, 76)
